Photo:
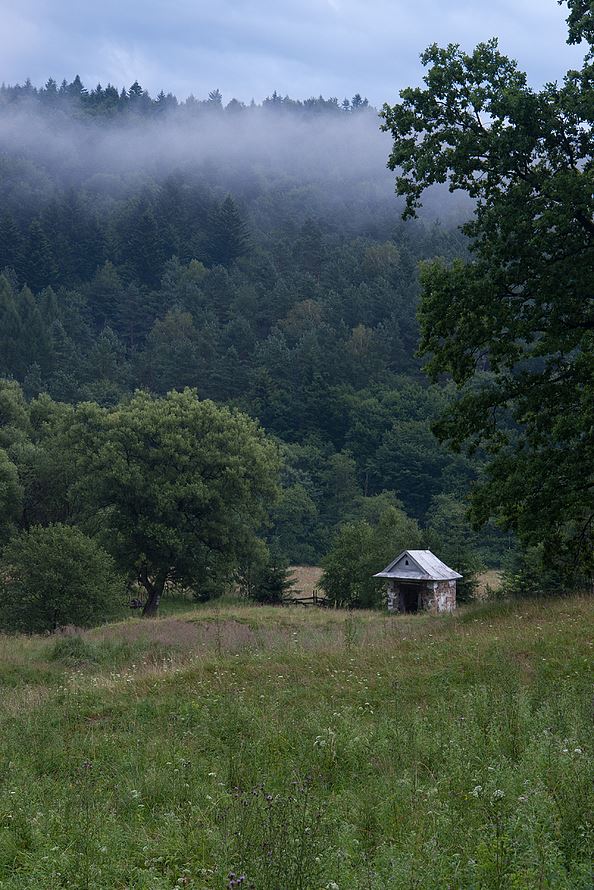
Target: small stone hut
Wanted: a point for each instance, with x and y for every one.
(419, 581)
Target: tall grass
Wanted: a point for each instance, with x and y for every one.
(273, 749)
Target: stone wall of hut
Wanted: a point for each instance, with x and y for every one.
(436, 596)
(439, 596)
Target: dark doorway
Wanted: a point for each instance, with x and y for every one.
(409, 595)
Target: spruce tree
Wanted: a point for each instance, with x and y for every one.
(10, 332)
(11, 244)
(227, 234)
(142, 249)
(34, 340)
(40, 268)
(104, 295)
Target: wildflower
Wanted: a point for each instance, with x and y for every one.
(476, 791)
(498, 794)
(577, 751)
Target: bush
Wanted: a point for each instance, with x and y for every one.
(263, 577)
(72, 650)
(359, 551)
(526, 573)
(53, 576)
(272, 584)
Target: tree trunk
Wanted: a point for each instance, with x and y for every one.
(154, 591)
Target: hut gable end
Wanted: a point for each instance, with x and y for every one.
(404, 566)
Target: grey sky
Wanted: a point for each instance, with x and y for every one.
(248, 48)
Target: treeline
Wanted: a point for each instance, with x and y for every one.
(319, 347)
(289, 296)
(176, 491)
(109, 100)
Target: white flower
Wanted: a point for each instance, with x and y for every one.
(498, 794)
(577, 751)
(476, 791)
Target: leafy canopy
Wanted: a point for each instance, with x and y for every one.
(176, 487)
(514, 323)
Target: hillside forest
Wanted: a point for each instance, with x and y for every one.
(242, 275)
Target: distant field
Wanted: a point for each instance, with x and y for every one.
(488, 581)
(301, 749)
(306, 578)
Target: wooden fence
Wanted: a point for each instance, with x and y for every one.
(316, 599)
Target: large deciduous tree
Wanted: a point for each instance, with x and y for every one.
(514, 323)
(175, 487)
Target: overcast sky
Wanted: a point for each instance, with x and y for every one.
(248, 48)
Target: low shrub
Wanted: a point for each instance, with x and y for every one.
(54, 576)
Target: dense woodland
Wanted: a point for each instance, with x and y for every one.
(210, 316)
(291, 297)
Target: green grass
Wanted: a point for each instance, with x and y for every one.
(304, 749)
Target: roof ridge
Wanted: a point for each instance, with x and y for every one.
(429, 567)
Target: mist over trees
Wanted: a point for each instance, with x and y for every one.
(255, 255)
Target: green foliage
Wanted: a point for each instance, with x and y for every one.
(526, 159)
(54, 576)
(11, 496)
(271, 583)
(177, 488)
(451, 537)
(534, 572)
(359, 550)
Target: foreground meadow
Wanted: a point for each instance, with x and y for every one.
(237, 746)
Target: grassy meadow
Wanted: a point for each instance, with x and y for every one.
(301, 749)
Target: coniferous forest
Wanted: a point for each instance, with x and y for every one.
(254, 253)
(254, 258)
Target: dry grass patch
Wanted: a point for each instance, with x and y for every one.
(306, 579)
(488, 582)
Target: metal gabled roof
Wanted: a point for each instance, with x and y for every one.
(423, 565)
